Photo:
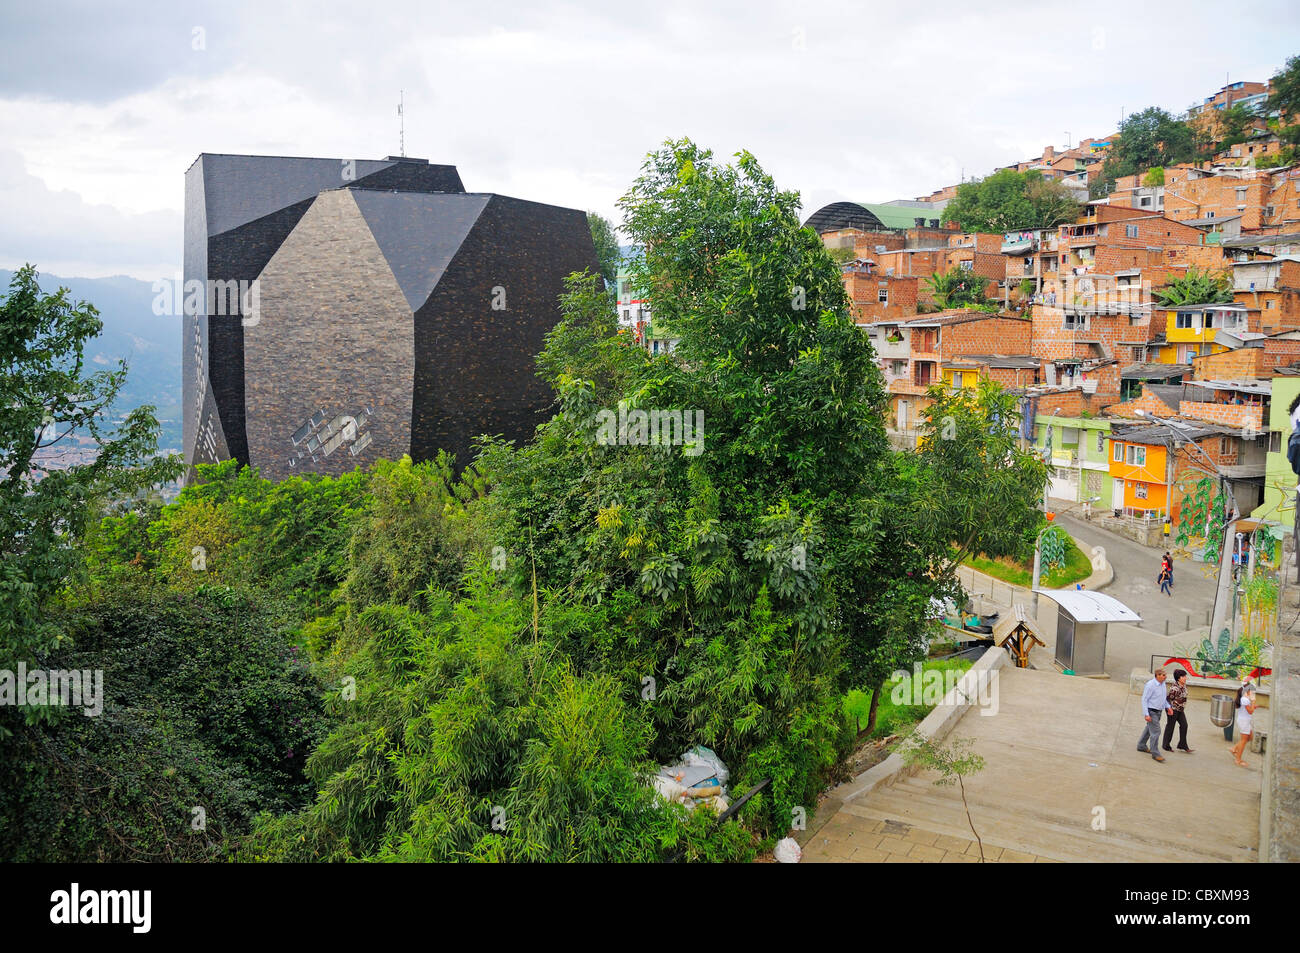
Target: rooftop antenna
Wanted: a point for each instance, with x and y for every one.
(401, 140)
(1067, 140)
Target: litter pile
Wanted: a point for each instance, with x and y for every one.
(699, 777)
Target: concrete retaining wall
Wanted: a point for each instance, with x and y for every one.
(934, 726)
(1280, 809)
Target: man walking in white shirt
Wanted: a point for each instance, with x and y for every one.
(1154, 702)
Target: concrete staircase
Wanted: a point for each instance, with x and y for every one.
(1062, 782)
(1035, 829)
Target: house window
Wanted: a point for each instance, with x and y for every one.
(956, 378)
(1131, 231)
(1143, 203)
(883, 296)
(1029, 262)
(1137, 456)
(1225, 445)
(1140, 491)
(967, 265)
(1275, 441)
(626, 316)
(1184, 319)
(1268, 304)
(1118, 454)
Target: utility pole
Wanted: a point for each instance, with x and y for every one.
(401, 112)
(1038, 542)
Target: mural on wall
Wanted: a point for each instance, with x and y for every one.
(1201, 520)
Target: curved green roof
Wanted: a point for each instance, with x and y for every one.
(900, 216)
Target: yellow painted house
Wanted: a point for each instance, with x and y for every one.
(1191, 331)
(961, 378)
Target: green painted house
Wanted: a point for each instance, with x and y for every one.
(1279, 481)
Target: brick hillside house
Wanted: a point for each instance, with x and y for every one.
(876, 296)
(976, 252)
(1257, 358)
(913, 355)
(1272, 288)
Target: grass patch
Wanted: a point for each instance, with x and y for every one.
(891, 718)
(1077, 568)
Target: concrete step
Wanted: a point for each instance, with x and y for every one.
(1027, 828)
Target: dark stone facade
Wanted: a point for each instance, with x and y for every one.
(397, 313)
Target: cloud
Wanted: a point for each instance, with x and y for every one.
(559, 101)
(61, 233)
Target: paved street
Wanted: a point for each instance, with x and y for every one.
(1136, 568)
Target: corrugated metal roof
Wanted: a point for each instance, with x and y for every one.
(1153, 371)
(1088, 606)
(1251, 386)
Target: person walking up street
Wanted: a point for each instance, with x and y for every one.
(1245, 721)
(1177, 696)
(1154, 701)
(1166, 580)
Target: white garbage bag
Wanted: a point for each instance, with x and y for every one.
(787, 851)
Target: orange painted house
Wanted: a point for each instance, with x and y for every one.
(1141, 472)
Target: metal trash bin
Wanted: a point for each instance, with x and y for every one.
(1221, 712)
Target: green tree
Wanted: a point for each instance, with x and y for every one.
(1154, 176)
(1008, 199)
(1285, 101)
(953, 761)
(957, 288)
(1285, 98)
(45, 395)
(1152, 137)
(608, 254)
(586, 345)
(1198, 286)
(1236, 123)
(1051, 202)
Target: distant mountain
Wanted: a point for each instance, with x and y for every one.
(151, 344)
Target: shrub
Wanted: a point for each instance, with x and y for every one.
(206, 704)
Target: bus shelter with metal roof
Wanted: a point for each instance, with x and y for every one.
(1081, 627)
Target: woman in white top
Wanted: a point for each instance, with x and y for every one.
(1245, 725)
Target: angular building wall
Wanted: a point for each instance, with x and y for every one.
(395, 312)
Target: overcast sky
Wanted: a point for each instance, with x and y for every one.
(102, 111)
